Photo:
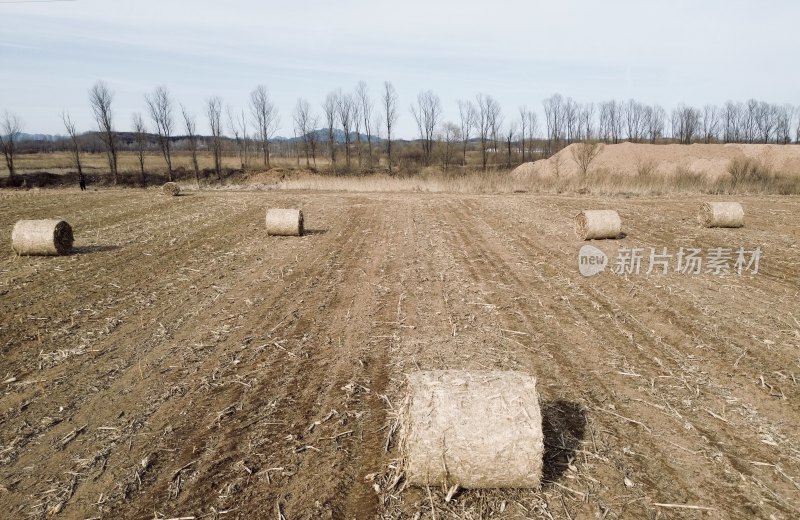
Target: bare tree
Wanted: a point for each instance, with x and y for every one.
(749, 117)
(783, 123)
(100, 98)
(710, 123)
(487, 116)
(214, 113)
(10, 128)
(357, 126)
(523, 119)
(653, 122)
(302, 121)
(496, 123)
(344, 110)
(604, 121)
(238, 127)
(313, 136)
(586, 121)
(765, 121)
(510, 135)
(190, 125)
(389, 102)
(634, 120)
(685, 123)
(554, 114)
(427, 113)
(732, 121)
(306, 125)
(140, 140)
(448, 135)
(617, 120)
(242, 122)
(365, 109)
(533, 130)
(797, 128)
(329, 107)
(266, 117)
(583, 154)
(467, 115)
(159, 105)
(75, 143)
(571, 120)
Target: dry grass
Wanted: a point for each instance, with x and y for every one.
(744, 176)
(428, 181)
(128, 162)
(680, 181)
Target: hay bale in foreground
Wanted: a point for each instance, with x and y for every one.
(285, 222)
(721, 214)
(598, 223)
(41, 237)
(171, 189)
(477, 429)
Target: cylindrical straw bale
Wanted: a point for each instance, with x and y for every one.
(477, 429)
(41, 237)
(721, 214)
(171, 189)
(285, 222)
(598, 223)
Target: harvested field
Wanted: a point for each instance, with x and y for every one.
(183, 364)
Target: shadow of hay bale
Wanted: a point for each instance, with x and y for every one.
(83, 250)
(314, 231)
(564, 426)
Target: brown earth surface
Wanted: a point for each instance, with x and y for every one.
(712, 160)
(182, 364)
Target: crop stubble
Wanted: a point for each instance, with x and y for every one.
(184, 363)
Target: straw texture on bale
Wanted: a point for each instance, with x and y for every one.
(171, 189)
(285, 222)
(41, 237)
(721, 214)
(477, 429)
(599, 223)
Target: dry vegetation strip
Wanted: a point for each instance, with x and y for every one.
(186, 364)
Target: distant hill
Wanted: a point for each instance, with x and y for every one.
(322, 136)
(40, 137)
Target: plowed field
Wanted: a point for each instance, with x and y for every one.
(182, 364)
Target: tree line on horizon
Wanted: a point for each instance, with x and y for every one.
(353, 123)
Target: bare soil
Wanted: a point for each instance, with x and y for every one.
(710, 160)
(183, 364)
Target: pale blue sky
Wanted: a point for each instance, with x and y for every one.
(520, 52)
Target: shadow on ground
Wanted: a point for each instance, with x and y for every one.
(563, 425)
(314, 231)
(83, 250)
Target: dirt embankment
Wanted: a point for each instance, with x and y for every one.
(712, 160)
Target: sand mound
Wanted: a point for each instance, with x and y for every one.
(657, 159)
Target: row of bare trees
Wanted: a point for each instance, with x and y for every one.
(161, 109)
(613, 121)
(353, 125)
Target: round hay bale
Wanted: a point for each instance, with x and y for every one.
(171, 189)
(721, 214)
(285, 222)
(477, 429)
(598, 223)
(41, 237)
